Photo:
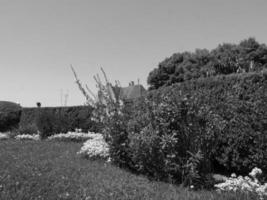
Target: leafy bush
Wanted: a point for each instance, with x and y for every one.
(224, 117)
(162, 133)
(9, 115)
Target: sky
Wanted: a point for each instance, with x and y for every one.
(40, 39)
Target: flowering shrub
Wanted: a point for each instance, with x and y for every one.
(27, 137)
(247, 184)
(71, 136)
(96, 147)
(3, 136)
(109, 113)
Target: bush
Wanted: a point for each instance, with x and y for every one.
(164, 135)
(9, 115)
(222, 117)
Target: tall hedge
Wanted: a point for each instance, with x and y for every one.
(218, 123)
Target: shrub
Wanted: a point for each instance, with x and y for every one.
(162, 133)
(111, 115)
(224, 117)
(9, 115)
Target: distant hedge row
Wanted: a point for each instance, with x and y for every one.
(57, 119)
(216, 124)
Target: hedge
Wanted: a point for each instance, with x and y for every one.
(187, 130)
(61, 119)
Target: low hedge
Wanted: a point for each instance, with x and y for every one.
(185, 131)
(57, 119)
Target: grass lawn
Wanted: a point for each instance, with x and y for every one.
(52, 170)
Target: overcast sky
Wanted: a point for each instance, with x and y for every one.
(39, 39)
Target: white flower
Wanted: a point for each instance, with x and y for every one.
(255, 171)
(73, 136)
(233, 175)
(244, 184)
(27, 137)
(95, 147)
(3, 136)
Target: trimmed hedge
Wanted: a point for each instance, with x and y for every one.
(185, 131)
(9, 115)
(58, 119)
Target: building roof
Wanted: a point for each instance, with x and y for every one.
(132, 91)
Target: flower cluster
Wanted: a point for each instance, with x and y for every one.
(3, 136)
(255, 171)
(96, 147)
(72, 136)
(245, 184)
(27, 137)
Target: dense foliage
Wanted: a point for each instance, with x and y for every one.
(246, 56)
(224, 117)
(63, 119)
(184, 132)
(9, 115)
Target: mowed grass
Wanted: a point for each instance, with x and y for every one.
(53, 170)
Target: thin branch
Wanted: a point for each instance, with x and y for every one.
(105, 76)
(90, 91)
(88, 98)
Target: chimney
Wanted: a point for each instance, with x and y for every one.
(131, 83)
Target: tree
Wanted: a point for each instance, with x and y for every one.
(227, 58)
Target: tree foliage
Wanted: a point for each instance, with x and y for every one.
(227, 58)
